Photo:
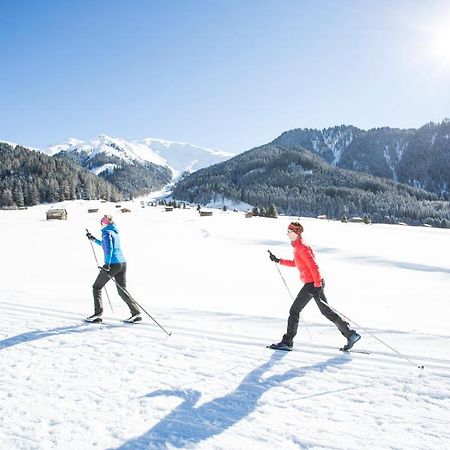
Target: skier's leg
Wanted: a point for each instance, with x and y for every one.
(303, 297)
(121, 279)
(340, 323)
(99, 283)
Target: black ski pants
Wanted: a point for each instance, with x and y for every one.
(118, 272)
(304, 296)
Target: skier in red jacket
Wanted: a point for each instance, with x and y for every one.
(305, 262)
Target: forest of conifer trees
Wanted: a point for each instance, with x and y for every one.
(29, 177)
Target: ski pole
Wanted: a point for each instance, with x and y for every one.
(96, 262)
(140, 306)
(290, 294)
(371, 334)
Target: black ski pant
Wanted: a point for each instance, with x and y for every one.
(304, 296)
(118, 272)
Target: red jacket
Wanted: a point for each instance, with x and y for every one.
(305, 262)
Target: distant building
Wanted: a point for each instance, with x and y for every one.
(59, 214)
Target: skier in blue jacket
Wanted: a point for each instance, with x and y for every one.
(115, 267)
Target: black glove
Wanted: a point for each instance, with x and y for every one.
(317, 292)
(106, 267)
(273, 257)
(90, 237)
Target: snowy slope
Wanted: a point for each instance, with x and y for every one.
(178, 156)
(212, 384)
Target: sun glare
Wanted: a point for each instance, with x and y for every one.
(436, 43)
(439, 46)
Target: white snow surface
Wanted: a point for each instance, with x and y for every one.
(105, 168)
(179, 157)
(212, 384)
(12, 144)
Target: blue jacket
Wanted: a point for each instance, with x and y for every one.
(111, 245)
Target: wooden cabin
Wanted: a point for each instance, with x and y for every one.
(59, 214)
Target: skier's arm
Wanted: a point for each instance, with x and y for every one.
(287, 262)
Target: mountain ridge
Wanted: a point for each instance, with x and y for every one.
(299, 182)
(417, 157)
(178, 157)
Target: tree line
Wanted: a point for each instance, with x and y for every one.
(130, 179)
(29, 178)
(301, 183)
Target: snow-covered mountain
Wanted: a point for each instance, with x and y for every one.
(179, 157)
(417, 157)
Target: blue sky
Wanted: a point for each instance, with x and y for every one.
(228, 75)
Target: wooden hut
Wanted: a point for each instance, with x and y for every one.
(59, 214)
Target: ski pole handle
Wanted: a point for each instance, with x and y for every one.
(273, 257)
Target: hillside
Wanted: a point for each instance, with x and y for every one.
(300, 182)
(137, 167)
(417, 157)
(131, 178)
(29, 177)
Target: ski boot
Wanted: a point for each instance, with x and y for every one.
(351, 341)
(134, 318)
(95, 318)
(281, 346)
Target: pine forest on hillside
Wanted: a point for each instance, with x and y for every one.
(299, 182)
(132, 180)
(417, 157)
(29, 178)
(383, 175)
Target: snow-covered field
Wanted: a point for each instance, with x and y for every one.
(212, 384)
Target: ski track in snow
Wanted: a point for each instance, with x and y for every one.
(189, 390)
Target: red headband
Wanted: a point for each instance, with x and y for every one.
(295, 228)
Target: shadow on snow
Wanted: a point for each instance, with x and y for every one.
(188, 424)
(41, 334)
